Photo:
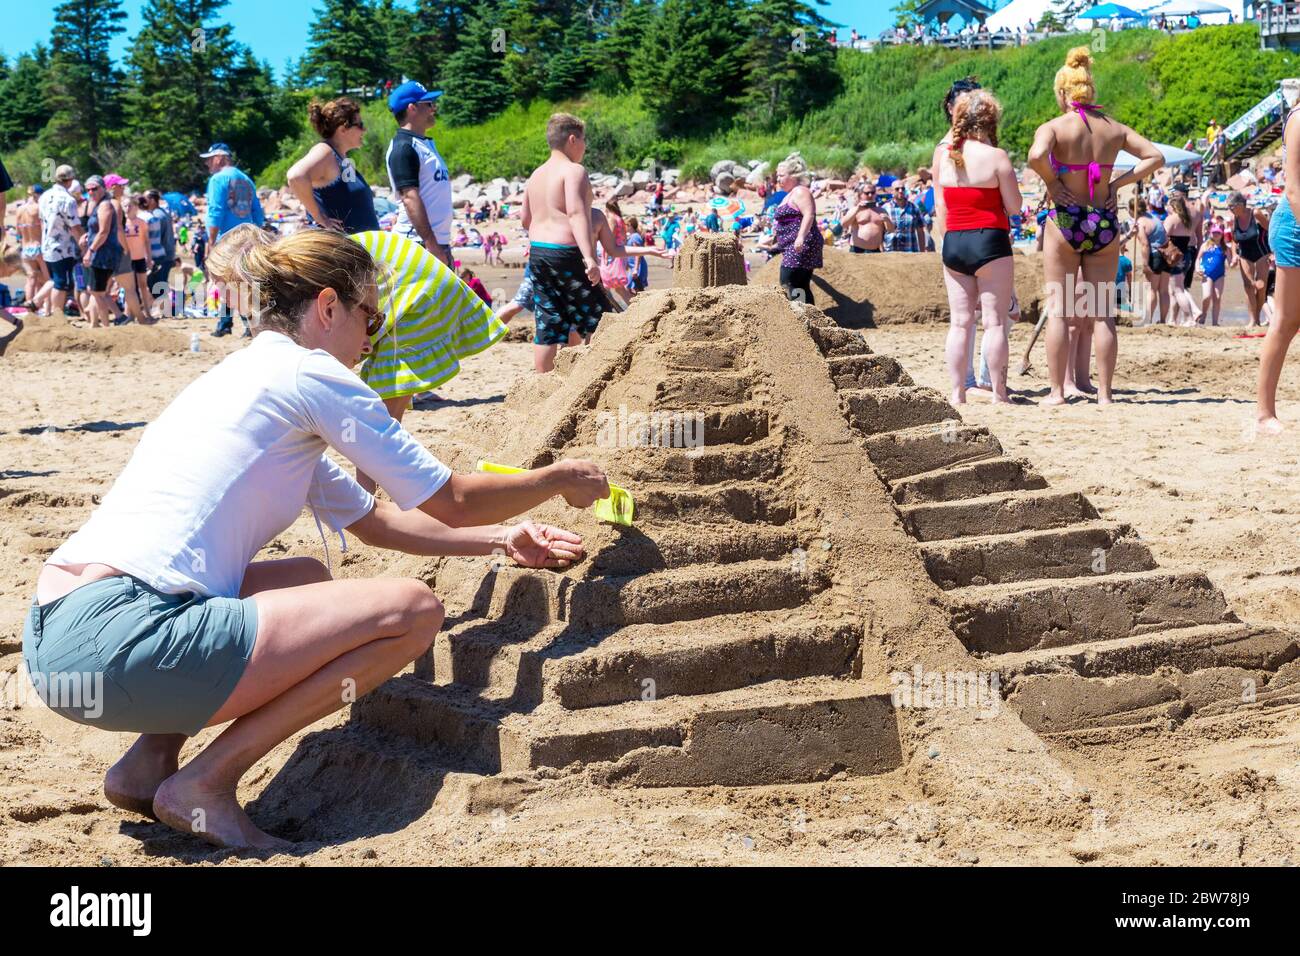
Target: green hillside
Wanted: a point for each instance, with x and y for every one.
(887, 114)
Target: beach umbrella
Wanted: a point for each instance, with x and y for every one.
(178, 204)
(726, 206)
(1172, 154)
(1108, 10)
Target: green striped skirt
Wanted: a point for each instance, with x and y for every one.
(433, 319)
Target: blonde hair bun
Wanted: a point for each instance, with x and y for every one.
(1079, 58)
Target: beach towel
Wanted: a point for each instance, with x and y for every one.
(432, 319)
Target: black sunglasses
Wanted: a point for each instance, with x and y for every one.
(374, 319)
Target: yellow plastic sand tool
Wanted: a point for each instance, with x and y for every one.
(499, 469)
(618, 508)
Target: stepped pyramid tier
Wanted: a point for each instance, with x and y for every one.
(810, 526)
(709, 259)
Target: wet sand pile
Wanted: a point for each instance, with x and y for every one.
(56, 334)
(863, 291)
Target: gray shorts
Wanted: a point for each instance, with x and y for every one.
(524, 297)
(118, 655)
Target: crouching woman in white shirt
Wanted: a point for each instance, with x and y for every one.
(154, 618)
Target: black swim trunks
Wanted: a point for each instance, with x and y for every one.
(563, 298)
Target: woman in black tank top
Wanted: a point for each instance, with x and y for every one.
(1251, 238)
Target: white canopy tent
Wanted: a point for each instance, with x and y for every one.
(1209, 12)
(1018, 13)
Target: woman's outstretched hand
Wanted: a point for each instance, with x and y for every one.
(542, 546)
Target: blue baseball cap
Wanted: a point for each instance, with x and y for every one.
(216, 149)
(408, 93)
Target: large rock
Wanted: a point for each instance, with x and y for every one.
(758, 174)
(641, 177)
(672, 176)
(460, 182)
(625, 188)
(472, 191)
(720, 167)
(725, 181)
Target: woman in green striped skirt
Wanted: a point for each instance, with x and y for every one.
(432, 321)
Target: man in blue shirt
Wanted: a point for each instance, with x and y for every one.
(232, 201)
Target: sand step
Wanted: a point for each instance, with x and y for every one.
(645, 661)
(696, 389)
(1002, 513)
(1153, 678)
(1094, 547)
(1188, 649)
(735, 425)
(701, 356)
(974, 480)
(779, 732)
(1022, 616)
(867, 371)
(914, 451)
(834, 341)
(702, 658)
(662, 457)
(747, 502)
(536, 598)
(678, 545)
(892, 408)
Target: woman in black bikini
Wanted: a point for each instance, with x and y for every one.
(1250, 235)
(1069, 153)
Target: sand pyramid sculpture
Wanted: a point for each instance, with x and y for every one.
(810, 525)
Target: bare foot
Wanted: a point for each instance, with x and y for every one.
(979, 391)
(1269, 426)
(1072, 392)
(132, 782)
(1086, 387)
(958, 397)
(211, 815)
(1103, 400)
(1054, 400)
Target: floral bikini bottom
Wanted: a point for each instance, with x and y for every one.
(1087, 229)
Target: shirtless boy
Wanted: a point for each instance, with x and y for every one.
(868, 223)
(567, 293)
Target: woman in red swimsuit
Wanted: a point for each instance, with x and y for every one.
(975, 190)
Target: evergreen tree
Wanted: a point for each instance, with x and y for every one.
(569, 68)
(23, 109)
(396, 26)
(474, 77)
(346, 45)
(84, 88)
(184, 68)
(907, 12)
(437, 30)
(689, 64)
(616, 49)
(790, 65)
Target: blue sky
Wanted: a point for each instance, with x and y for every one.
(277, 29)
